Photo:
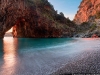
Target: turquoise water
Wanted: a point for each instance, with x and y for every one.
(42, 56)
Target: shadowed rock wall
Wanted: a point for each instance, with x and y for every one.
(33, 18)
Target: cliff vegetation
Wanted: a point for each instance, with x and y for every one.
(33, 19)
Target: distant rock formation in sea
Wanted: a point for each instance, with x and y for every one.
(8, 34)
(33, 19)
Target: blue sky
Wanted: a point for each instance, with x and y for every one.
(68, 7)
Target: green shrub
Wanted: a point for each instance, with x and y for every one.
(93, 27)
(98, 15)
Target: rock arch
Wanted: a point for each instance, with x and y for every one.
(14, 12)
(31, 18)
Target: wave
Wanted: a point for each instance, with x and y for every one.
(53, 47)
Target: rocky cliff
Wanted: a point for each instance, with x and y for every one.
(88, 19)
(33, 18)
(88, 11)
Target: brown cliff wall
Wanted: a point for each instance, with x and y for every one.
(33, 18)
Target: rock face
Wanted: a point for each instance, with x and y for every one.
(88, 19)
(88, 30)
(33, 19)
(88, 10)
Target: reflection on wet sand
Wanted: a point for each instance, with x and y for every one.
(9, 57)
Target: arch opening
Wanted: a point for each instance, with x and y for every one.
(9, 33)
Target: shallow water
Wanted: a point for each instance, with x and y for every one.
(43, 56)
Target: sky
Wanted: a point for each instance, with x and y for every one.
(68, 7)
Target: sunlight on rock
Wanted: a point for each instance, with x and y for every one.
(9, 30)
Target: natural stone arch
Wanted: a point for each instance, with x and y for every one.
(26, 18)
(32, 18)
(13, 12)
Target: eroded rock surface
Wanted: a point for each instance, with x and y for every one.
(88, 10)
(33, 18)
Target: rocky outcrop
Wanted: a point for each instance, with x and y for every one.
(88, 30)
(33, 18)
(88, 19)
(94, 36)
(88, 11)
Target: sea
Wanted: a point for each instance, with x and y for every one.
(49, 56)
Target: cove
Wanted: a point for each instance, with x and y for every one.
(49, 56)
